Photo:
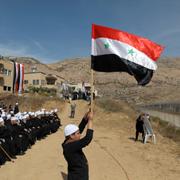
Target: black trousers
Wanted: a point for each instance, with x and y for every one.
(137, 134)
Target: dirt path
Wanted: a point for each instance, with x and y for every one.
(112, 155)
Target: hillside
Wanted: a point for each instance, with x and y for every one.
(31, 62)
(164, 86)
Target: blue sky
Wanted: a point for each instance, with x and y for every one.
(53, 30)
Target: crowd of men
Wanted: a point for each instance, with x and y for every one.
(20, 130)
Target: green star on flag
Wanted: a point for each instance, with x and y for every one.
(114, 50)
(130, 51)
(106, 45)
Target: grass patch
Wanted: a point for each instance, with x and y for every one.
(109, 105)
(166, 129)
(43, 91)
(31, 102)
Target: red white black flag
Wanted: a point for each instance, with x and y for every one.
(18, 77)
(114, 50)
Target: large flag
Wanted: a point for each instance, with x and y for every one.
(117, 51)
(21, 78)
(18, 77)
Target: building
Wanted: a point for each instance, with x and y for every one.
(41, 79)
(6, 75)
(33, 78)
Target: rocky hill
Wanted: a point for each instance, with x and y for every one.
(164, 86)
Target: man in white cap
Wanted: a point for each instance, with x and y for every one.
(72, 148)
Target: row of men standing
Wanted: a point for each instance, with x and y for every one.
(18, 132)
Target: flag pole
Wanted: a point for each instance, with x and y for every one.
(7, 155)
(92, 89)
(92, 77)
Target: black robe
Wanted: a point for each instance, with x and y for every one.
(77, 162)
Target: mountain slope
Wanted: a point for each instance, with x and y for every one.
(164, 86)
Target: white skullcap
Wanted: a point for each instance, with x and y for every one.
(70, 129)
(16, 103)
(8, 117)
(18, 114)
(38, 113)
(3, 114)
(20, 117)
(27, 116)
(24, 117)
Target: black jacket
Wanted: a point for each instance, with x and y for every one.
(77, 162)
(139, 124)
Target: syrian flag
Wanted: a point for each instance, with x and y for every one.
(117, 51)
(21, 78)
(18, 77)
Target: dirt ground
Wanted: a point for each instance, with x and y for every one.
(112, 155)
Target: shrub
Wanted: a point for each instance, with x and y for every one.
(109, 105)
(43, 91)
